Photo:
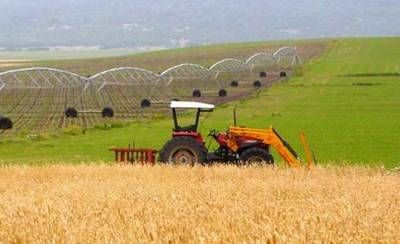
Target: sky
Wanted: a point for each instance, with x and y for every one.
(144, 24)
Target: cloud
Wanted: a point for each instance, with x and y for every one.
(179, 30)
(59, 28)
(136, 27)
(290, 31)
(182, 42)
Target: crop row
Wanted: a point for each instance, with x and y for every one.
(42, 99)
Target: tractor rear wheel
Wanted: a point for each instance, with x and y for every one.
(183, 151)
(256, 156)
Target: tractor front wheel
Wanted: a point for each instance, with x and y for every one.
(183, 151)
(256, 156)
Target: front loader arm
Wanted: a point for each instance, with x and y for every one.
(268, 137)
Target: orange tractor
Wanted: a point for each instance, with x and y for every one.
(237, 145)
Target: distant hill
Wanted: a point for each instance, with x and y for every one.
(172, 23)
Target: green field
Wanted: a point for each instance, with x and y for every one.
(347, 102)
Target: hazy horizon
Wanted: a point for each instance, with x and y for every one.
(144, 25)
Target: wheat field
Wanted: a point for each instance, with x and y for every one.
(113, 204)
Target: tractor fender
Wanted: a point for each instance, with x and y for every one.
(195, 135)
(252, 145)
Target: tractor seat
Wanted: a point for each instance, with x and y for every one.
(191, 128)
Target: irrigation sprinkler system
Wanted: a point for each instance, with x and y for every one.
(41, 98)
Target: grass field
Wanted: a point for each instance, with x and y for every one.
(346, 101)
(85, 204)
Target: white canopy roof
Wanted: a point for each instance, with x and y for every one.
(182, 104)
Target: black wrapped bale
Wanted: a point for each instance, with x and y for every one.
(234, 83)
(196, 93)
(222, 93)
(283, 74)
(107, 112)
(263, 74)
(5, 123)
(71, 112)
(145, 103)
(257, 84)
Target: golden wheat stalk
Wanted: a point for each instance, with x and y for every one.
(85, 204)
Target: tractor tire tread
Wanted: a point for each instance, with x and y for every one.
(183, 141)
(259, 152)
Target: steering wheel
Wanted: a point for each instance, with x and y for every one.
(213, 133)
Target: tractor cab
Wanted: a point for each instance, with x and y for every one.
(187, 145)
(189, 130)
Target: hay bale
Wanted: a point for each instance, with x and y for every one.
(263, 74)
(5, 123)
(107, 112)
(283, 74)
(257, 84)
(222, 93)
(196, 93)
(145, 103)
(71, 112)
(234, 83)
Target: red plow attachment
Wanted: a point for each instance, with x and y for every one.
(144, 156)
